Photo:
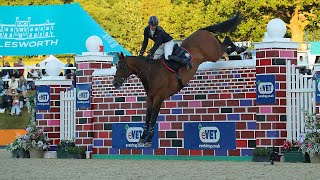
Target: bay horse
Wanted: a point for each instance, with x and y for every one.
(159, 83)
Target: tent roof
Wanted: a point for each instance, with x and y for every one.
(50, 29)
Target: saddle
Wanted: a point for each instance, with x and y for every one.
(179, 58)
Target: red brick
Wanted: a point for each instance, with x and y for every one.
(162, 134)
(83, 134)
(279, 126)
(98, 126)
(234, 152)
(278, 142)
(247, 117)
(125, 151)
(283, 70)
(272, 117)
(180, 134)
(103, 134)
(78, 141)
(283, 134)
(220, 117)
(273, 53)
(250, 95)
(260, 70)
(182, 151)
(225, 96)
(239, 110)
(165, 143)
(238, 134)
(265, 125)
(95, 65)
(87, 141)
(266, 142)
(260, 54)
(78, 127)
(279, 110)
(125, 119)
(87, 72)
(195, 117)
(94, 150)
(54, 135)
(213, 110)
(280, 77)
(208, 152)
(201, 111)
(183, 118)
(238, 95)
(213, 96)
(176, 125)
(241, 143)
(280, 94)
(130, 112)
(164, 111)
(241, 125)
(183, 104)
(171, 104)
(136, 151)
(265, 62)
(106, 66)
(107, 142)
(233, 103)
(188, 111)
(97, 113)
(195, 152)
(220, 103)
(247, 134)
(273, 69)
(253, 109)
(42, 122)
(54, 109)
(283, 102)
(87, 127)
(260, 134)
(103, 150)
(48, 129)
(207, 117)
(207, 103)
(159, 151)
(188, 97)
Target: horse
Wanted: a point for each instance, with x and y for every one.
(159, 83)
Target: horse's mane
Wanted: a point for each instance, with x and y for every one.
(142, 58)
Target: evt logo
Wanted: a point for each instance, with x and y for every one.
(43, 97)
(133, 134)
(83, 95)
(208, 134)
(265, 87)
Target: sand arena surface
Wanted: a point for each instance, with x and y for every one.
(153, 169)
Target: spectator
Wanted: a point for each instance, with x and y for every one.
(69, 64)
(39, 72)
(6, 100)
(13, 84)
(6, 73)
(20, 64)
(24, 101)
(44, 70)
(16, 72)
(2, 91)
(22, 84)
(316, 66)
(15, 109)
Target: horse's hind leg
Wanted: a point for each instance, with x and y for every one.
(147, 123)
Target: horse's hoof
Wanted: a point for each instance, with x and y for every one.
(141, 142)
(148, 144)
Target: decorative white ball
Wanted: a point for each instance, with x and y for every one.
(93, 43)
(53, 68)
(276, 28)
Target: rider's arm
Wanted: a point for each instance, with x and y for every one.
(157, 43)
(145, 43)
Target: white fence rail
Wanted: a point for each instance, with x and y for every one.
(300, 99)
(67, 114)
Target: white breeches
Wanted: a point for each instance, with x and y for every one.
(165, 48)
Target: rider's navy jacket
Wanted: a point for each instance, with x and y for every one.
(159, 37)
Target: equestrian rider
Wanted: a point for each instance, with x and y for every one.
(163, 42)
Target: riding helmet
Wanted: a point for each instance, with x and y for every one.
(153, 20)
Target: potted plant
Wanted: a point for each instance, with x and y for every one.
(62, 148)
(292, 153)
(261, 154)
(16, 148)
(309, 141)
(35, 141)
(76, 152)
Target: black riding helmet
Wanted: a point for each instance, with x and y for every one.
(153, 20)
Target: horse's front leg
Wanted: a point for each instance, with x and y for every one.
(154, 115)
(147, 123)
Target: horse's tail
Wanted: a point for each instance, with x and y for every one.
(226, 26)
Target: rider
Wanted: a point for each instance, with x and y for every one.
(163, 42)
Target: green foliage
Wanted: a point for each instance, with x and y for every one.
(76, 150)
(125, 20)
(260, 151)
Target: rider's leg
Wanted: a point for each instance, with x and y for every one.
(159, 52)
(168, 48)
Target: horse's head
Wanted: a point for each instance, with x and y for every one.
(123, 71)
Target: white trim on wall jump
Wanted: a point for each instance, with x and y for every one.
(94, 57)
(227, 64)
(260, 45)
(52, 82)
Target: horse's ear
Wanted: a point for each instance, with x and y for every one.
(120, 55)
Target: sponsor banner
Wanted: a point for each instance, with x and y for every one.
(127, 135)
(83, 96)
(43, 97)
(265, 89)
(210, 135)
